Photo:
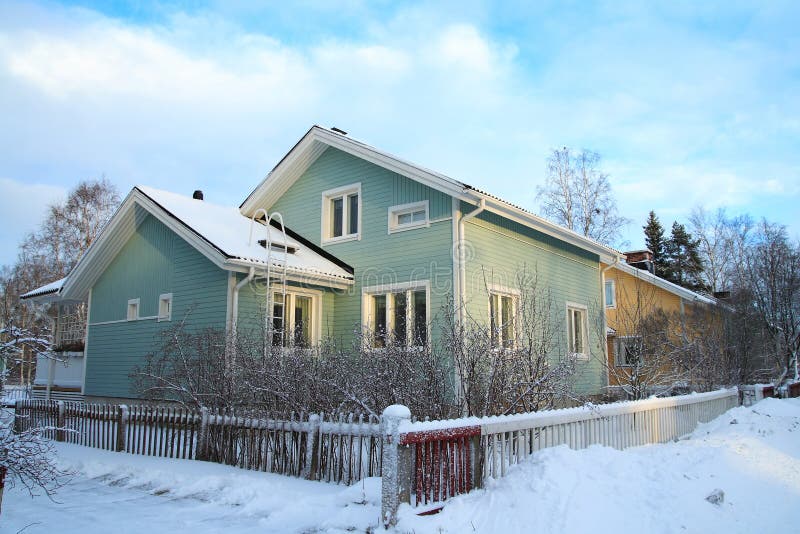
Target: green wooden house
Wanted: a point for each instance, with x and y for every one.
(366, 239)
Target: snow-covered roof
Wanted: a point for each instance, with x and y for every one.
(318, 139)
(227, 230)
(48, 289)
(220, 233)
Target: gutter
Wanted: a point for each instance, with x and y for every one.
(235, 304)
(462, 267)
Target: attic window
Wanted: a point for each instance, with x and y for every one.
(278, 247)
(408, 216)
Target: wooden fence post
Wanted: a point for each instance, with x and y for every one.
(17, 416)
(61, 421)
(122, 427)
(396, 469)
(202, 436)
(312, 448)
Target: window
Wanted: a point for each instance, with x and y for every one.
(628, 351)
(611, 294)
(502, 312)
(577, 330)
(408, 216)
(165, 307)
(341, 214)
(133, 310)
(397, 314)
(294, 318)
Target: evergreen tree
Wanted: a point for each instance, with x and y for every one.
(654, 241)
(683, 265)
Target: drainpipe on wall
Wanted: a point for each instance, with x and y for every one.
(605, 323)
(462, 267)
(231, 342)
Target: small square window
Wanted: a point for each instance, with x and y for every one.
(165, 307)
(133, 310)
(408, 216)
(629, 351)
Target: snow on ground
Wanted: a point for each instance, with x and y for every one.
(751, 454)
(122, 493)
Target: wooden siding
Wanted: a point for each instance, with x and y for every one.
(154, 261)
(498, 249)
(379, 257)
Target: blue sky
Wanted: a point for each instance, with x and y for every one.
(690, 103)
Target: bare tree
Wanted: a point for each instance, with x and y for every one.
(659, 351)
(772, 272)
(515, 362)
(532, 373)
(577, 194)
(27, 457)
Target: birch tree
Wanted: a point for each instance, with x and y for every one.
(577, 194)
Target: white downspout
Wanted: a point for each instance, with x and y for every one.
(605, 323)
(230, 348)
(235, 304)
(462, 267)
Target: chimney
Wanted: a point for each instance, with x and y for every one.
(198, 195)
(641, 259)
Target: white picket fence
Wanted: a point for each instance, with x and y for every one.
(436, 460)
(421, 463)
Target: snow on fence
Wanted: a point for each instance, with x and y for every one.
(421, 463)
(440, 459)
(329, 447)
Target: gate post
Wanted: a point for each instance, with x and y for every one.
(395, 469)
(312, 448)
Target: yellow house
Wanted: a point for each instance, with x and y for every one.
(654, 328)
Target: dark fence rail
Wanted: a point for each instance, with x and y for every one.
(334, 448)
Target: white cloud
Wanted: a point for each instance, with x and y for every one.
(23, 206)
(197, 102)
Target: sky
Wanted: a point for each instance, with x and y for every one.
(689, 103)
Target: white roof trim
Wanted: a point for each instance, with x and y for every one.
(675, 289)
(316, 141)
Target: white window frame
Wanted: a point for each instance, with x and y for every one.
(403, 209)
(499, 291)
(613, 304)
(316, 309)
(162, 298)
(327, 198)
(136, 315)
(572, 307)
(619, 344)
(406, 288)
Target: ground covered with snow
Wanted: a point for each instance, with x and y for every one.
(751, 454)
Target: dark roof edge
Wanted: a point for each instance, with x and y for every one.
(195, 232)
(316, 248)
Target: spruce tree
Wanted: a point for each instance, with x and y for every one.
(654, 241)
(683, 265)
